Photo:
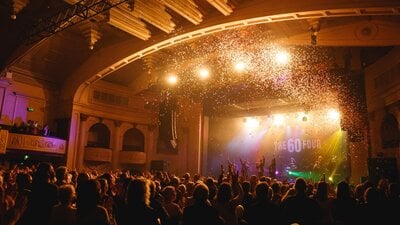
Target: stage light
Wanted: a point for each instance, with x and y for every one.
(333, 114)
(282, 57)
(172, 79)
(314, 29)
(330, 178)
(278, 120)
(303, 116)
(240, 66)
(204, 73)
(252, 122)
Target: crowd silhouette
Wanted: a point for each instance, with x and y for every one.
(45, 195)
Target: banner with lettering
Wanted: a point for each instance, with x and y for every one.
(36, 143)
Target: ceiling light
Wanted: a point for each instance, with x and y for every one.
(172, 79)
(204, 73)
(252, 122)
(278, 120)
(240, 66)
(333, 114)
(282, 57)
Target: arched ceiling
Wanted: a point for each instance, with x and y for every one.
(162, 32)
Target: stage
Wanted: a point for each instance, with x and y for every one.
(307, 144)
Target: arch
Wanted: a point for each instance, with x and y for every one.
(133, 140)
(257, 12)
(98, 136)
(390, 133)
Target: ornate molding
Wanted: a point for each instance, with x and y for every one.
(117, 123)
(83, 117)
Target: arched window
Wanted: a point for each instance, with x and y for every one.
(133, 140)
(99, 136)
(390, 133)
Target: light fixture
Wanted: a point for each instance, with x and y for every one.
(90, 31)
(252, 122)
(240, 66)
(333, 114)
(17, 6)
(172, 79)
(314, 28)
(204, 73)
(282, 57)
(278, 120)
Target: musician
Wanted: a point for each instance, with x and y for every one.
(245, 168)
(260, 167)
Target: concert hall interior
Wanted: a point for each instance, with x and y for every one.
(311, 87)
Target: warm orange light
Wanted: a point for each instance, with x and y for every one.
(172, 79)
(278, 120)
(240, 66)
(333, 114)
(252, 123)
(204, 73)
(282, 57)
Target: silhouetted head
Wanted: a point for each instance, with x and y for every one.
(200, 192)
(300, 185)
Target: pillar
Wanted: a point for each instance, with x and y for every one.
(116, 145)
(82, 141)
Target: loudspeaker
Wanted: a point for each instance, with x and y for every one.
(62, 127)
(158, 165)
(382, 168)
(167, 127)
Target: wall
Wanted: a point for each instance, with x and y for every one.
(382, 83)
(19, 93)
(120, 110)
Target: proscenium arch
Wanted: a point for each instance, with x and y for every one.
(105, 61)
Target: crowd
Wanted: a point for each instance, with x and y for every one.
(45, 195)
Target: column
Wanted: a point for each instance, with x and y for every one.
(116, 145)
(82, 141)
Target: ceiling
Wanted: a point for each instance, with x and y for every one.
(51, 55)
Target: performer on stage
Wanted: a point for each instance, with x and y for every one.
(318, 167)
(245, 168)
(293, 164)
(272, 168)
(260, 166)
(231, 168)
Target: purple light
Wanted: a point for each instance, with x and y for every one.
(276, 172)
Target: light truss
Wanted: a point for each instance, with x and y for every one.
(74, 14)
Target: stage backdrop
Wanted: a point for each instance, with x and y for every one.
(307, 145)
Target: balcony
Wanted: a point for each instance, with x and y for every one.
(98, 154)
(132, 157)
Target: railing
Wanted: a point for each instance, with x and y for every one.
(31, 143)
